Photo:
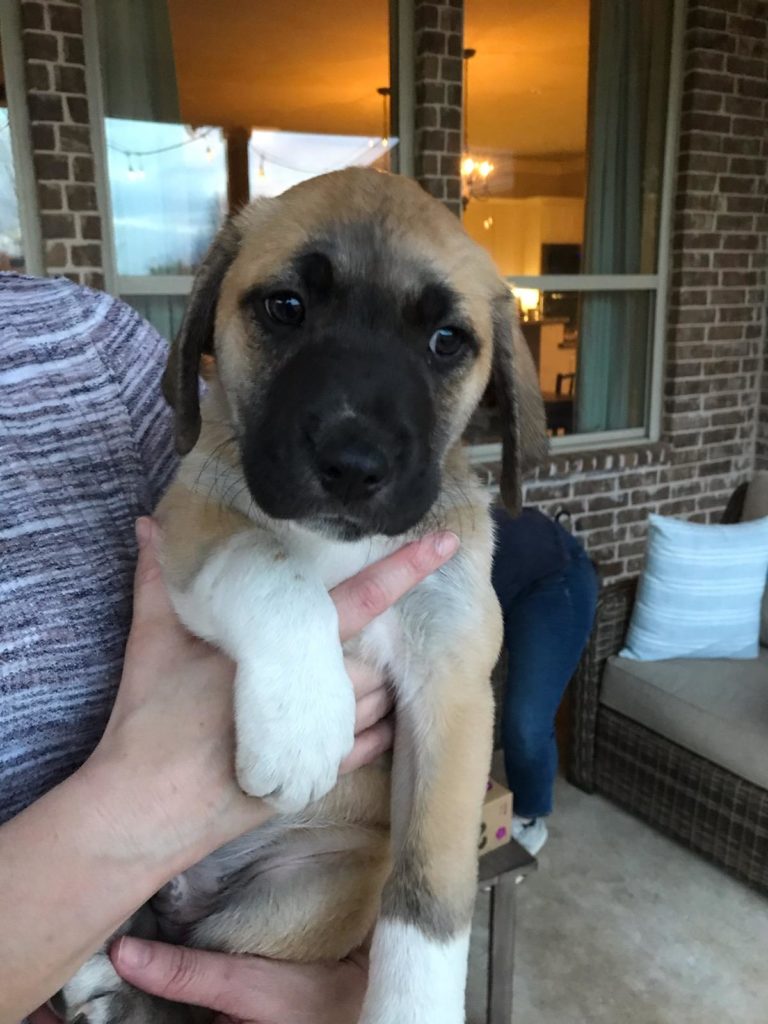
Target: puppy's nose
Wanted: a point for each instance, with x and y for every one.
(351, 470)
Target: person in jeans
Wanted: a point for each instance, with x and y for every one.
(547, 588)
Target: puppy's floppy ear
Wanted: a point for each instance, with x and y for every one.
(195, 338)
(524, 443)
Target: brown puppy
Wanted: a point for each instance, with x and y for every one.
(352, 327)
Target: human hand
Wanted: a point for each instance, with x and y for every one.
(168, 746)
(242, 989)
(246, 989)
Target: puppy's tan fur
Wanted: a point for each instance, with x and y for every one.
(312, 884)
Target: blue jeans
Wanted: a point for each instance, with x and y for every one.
(546, 627)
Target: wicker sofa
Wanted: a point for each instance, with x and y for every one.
(710, 792)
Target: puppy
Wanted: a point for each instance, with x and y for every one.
(352, 327)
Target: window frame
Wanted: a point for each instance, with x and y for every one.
(21, 140)
(402, 76)
(402, 57)
(656, 285)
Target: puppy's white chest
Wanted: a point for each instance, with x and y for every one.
(335, 561)
(381, 643)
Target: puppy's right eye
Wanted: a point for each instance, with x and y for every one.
(285, 308)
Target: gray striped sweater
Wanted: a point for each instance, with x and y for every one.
(85, 447)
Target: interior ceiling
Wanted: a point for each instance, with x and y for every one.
(315, 66)
(297, 65)
(528, 80)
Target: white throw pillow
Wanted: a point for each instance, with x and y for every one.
(699, 595)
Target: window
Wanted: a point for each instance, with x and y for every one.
(11, 249)
(197, 121)
(566, 123)
(14, 228)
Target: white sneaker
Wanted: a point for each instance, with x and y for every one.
(531, 833)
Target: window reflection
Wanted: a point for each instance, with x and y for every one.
(318, 102)
(168, 185)
(565, 126)
(591, 353)
(11, 250)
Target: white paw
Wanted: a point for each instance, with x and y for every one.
(289, 754)
(294, 704)
(89, 996)
(397, 1009)
(415, 979)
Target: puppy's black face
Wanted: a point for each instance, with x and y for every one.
(346, 424)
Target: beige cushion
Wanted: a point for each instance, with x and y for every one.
(716, 708)
(755, 507)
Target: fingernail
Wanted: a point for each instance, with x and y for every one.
(132, 953)
(446, 544)
(143, 530)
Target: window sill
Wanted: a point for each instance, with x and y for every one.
(613, 455)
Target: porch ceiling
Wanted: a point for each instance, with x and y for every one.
(311, 65)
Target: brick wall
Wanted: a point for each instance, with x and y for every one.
(52, 42)
(714, 392)
(439, 28)
(717, 314)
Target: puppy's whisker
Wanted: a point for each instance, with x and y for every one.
(214, 455)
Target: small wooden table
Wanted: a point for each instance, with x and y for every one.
(501, 871)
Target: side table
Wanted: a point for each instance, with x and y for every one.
(500, 872)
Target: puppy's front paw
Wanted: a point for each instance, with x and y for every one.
(89, 997)
(289, 754)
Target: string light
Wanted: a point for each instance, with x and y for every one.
(265, 157)
(196, 136)
(135, 173)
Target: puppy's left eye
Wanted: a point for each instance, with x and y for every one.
(285, 308)
(447, 342)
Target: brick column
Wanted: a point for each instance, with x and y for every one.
(439, 30)
(54, 59)
(717, 302)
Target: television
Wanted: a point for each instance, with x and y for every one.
(557, 258)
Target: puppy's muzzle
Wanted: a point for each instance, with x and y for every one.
(343, 434)
(350, 467)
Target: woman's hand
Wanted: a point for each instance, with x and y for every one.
(170, 737)
(242, 989)
(247, 989)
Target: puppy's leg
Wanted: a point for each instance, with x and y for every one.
(442, 757)
(294, 703)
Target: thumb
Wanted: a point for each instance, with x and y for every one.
(217, 981)
(150, 597)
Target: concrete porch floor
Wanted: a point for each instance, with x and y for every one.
(622, 926)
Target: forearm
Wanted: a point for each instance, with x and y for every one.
(73, 867)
